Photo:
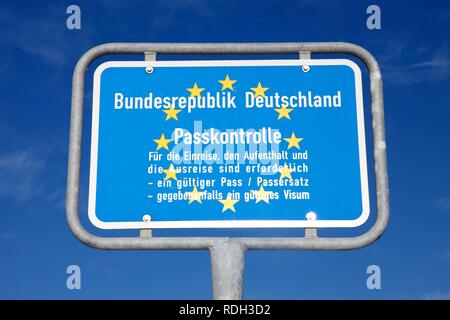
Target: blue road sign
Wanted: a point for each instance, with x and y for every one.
(193, 144)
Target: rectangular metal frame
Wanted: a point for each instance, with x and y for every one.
(226, 282)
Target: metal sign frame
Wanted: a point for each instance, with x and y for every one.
(230, 223)
(227, 254)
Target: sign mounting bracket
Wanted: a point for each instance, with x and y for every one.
(147, 233)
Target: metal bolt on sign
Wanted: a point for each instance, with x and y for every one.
(227, 254)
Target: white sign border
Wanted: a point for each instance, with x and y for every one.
(229, 223)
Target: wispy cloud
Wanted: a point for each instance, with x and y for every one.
(20, 175)
(170, 11)
(4, 65)
(439, 63)
(166, 14)
(30, 176)
(440, 14)
(44, 36)
(324, 5)
(445, 255)
(393, 51)
(437, 296)
(443, 203)
(435, 68)
(7, 236)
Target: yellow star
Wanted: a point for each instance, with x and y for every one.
(162, 142)
(171, 113)
(170, 173)
(195, 90)
(285, 172)
(195, 195)
(228, 203)
(262, 195)
(293, 141)
(259, 90)
(283, 112)
(227, 83)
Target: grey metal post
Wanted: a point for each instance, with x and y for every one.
(227, 269)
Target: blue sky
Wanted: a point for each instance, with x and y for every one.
(37, 57)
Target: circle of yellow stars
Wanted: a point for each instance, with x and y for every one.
(228, 203)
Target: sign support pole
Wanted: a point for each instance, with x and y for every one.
(227, 268)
